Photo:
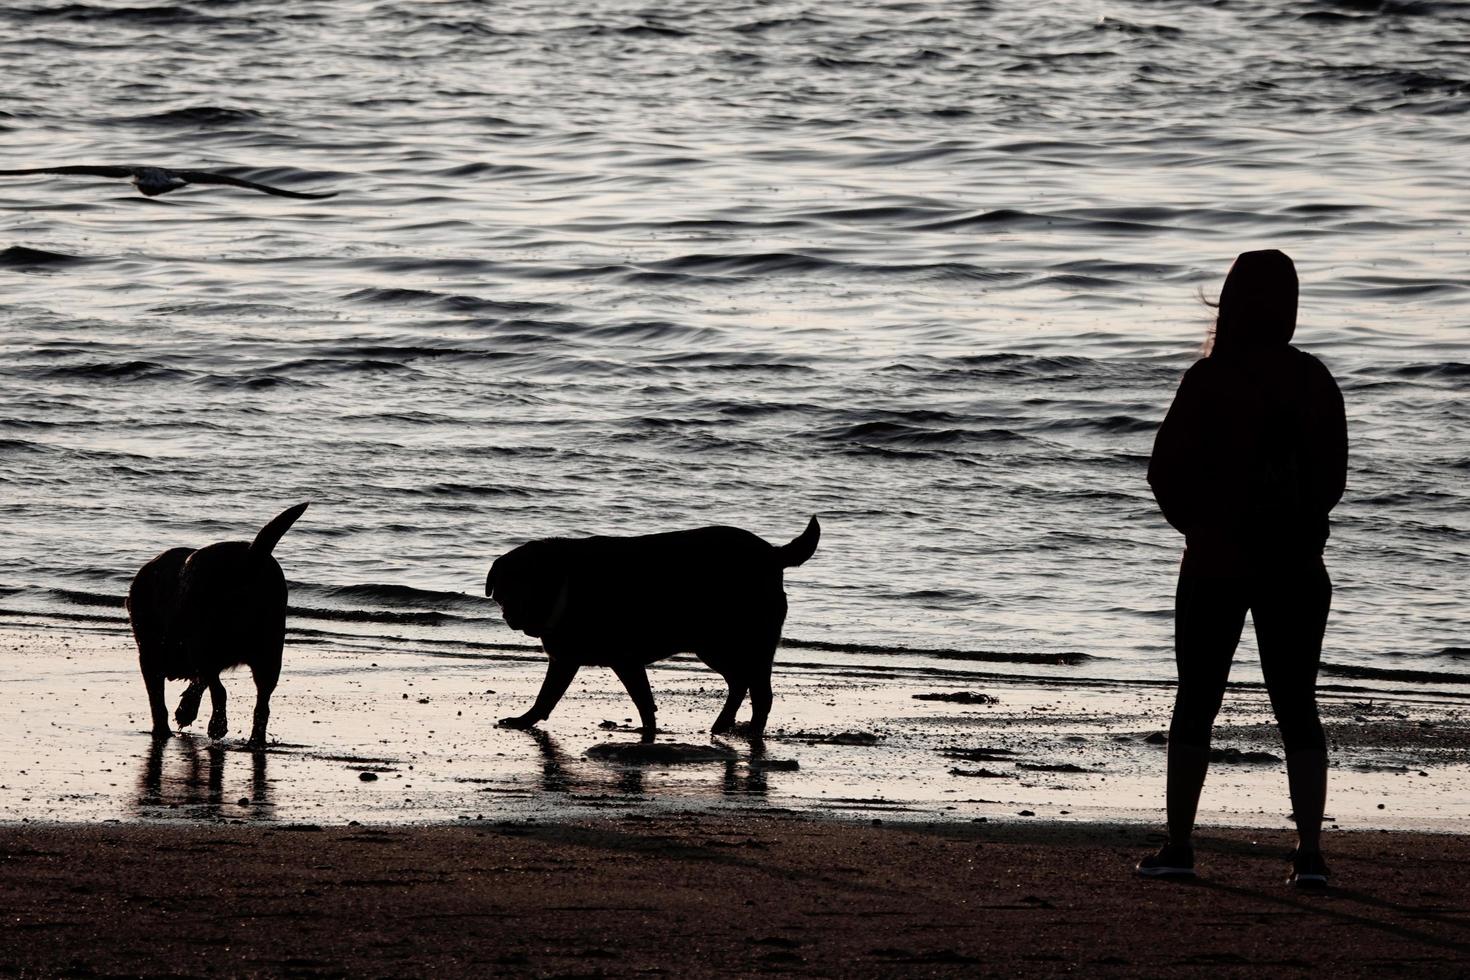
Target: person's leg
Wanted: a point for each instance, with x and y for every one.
(1290, 615)
(1208, 617)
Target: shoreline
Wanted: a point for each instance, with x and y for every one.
(408, 738)
(701, 895)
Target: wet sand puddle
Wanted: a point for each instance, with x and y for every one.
(411, 738)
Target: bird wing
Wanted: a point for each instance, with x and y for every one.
(83, 169)
(205, 177)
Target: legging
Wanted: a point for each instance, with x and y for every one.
(1289, 607)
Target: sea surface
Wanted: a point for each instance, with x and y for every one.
(930, 270)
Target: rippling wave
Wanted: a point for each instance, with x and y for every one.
(929, 270)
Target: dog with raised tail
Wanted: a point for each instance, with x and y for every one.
(198, 612)
(625, 602)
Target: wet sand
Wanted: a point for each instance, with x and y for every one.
(688, 895)
(396, 732)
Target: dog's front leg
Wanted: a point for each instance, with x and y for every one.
(559, 674)
(219, 724)
(635, 679)
(188, 708)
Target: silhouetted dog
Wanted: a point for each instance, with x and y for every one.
(626, 602)
(196, 613)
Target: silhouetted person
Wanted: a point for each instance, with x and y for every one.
(1247, 465)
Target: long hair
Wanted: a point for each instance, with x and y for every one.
(1257, 307)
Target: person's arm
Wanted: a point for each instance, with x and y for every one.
(1329, 441)
(1174, 467)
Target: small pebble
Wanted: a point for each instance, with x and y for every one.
(367, 777)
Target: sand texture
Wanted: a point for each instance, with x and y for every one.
(702, 896)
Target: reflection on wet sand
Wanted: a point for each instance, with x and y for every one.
(180, 778)
(554, 777)
(751, 780)
(558, 773)
(629, 763)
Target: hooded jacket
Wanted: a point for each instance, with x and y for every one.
(1252, 456)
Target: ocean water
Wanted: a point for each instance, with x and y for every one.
(928, 269)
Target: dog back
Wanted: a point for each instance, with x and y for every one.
(657, 594)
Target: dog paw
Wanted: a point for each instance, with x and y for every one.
(519, 721)
(162, 734)
(188, 708)
(218, 725)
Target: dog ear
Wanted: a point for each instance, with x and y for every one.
(490, 578)
(559, 604)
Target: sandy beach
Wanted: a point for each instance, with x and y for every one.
(887, 827)
(688, 895)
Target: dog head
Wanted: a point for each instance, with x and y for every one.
(530, 585)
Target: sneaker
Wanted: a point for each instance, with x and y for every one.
(1171, 861)
(1308, 870)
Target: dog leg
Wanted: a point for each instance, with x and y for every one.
(635, 679)
(156, 705)
(726, 720)
(559, 676)
(760, 704)
(188, 708)
(265, 685)
(219, 724)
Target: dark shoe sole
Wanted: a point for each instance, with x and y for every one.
(1165, 872)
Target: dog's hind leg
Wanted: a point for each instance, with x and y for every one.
(188, 708)
(266, 677)
(558, 678)
(760, 694)
(635, 679)
(726, 720)
(156, 705)
(219, 724)
(760, 703)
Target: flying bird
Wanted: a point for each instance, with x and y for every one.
(154, 181)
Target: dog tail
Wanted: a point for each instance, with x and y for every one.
(802, 547)
(265, 541)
